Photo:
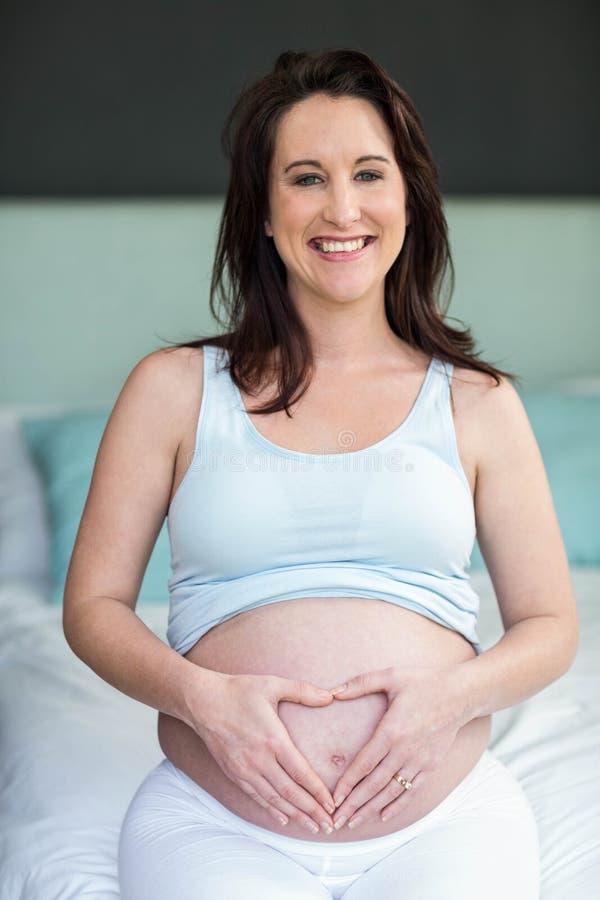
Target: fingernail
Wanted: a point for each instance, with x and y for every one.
(326, 827)
(312, 826)
(330, 809)
(356, 821)
(283, 820)
(338, 690)
(337, 825)
(339, 801)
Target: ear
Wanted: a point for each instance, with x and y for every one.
(268, 229)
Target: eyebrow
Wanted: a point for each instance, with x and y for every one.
(317, 165)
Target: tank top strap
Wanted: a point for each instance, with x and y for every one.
(433, 424)
(225, 395)
(220, 426)
(435, 392)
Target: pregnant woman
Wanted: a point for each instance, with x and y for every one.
(324, 703)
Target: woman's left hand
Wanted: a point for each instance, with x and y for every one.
(413, 737)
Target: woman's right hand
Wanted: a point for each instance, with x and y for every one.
(240, 725)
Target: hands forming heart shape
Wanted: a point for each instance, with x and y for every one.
(237, 718)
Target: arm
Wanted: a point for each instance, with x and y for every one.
(519, 536)
(123, 514)
(235, 715)
(119, 526)
(113, 641)
(521, 543)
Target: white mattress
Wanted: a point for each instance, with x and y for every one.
(73, 751)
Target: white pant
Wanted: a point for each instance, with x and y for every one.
(179, 843)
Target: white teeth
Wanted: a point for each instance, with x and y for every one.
(338, 246)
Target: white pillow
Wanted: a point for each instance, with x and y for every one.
(24, 533)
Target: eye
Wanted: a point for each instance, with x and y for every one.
(373, 176)
(302, 181)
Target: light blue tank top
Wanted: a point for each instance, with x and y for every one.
(253, 523)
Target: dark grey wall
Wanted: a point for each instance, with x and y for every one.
(128, 97)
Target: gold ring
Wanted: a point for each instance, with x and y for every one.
(407, 785)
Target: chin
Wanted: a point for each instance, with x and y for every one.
(350, 295)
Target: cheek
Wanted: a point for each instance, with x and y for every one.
(289, 210)
(291, 222)
(391, 211)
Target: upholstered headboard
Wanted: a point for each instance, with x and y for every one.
(89, 287)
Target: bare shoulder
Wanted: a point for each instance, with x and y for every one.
(489, 413)
(470, 387)
(169, 381)
(172, 363)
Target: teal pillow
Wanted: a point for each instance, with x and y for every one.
(64, 449)
(567, 428)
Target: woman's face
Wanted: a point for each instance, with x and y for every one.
(322, 191)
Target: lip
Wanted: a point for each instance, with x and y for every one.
(342, 255)
(328, 237)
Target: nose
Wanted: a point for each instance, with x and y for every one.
(342, 207)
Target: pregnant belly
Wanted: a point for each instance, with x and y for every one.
(326, 641)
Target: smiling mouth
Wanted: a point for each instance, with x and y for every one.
(341, 248)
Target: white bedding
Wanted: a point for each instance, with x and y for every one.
(73, 751)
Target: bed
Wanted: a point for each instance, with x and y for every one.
(73, 749)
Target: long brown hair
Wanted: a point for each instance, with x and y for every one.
(249, 277)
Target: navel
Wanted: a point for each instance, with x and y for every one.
(338, 759)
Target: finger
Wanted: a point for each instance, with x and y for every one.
(267, 795)
(362, 765)
(303, 776)
(299, 691)
(367, 794)
(392, 793)
(388, 794)
(398, 803)
(285, 795)
(302, 801)
(264, 786)
(365, 683)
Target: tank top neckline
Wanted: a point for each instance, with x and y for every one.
(285, 451)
